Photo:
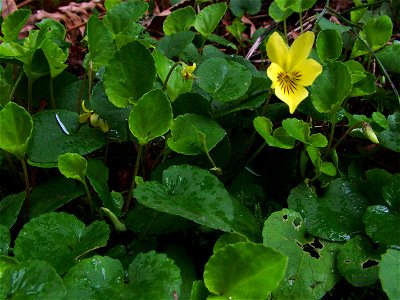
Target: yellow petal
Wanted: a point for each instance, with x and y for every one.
(273, 72)
(278, 50)
(84, 108)
(309, 70)
(94, 120)
(83, 117)
(103, 125)
(187, 71)
(292, 99)
(301, 48)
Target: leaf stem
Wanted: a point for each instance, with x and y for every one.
(332, 132)
(30, 86)
(89, 195)
(27, 189)
(343, 137)
(80, 95)
(169, 75)
(16, 84)
(135, 173)
(53, 103)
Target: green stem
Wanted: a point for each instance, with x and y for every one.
(16, 84)
(90, 78)
(301, 22)
(331, 135)
(169, 75)
(27, 189)
(30, 87)
(285, 30)
(89, 196)
(255, 154)
(53, 102)
(80, 95)
(135, 173)
(344, 136)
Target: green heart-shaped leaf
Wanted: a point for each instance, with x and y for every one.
(16, 129)
(209, 17)
(73, 165)
(389, 273)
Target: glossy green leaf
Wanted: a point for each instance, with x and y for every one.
(63, 239)
(151, 117)
(358, 262)
(13, 24)
(297, 129)
(176, 84)
(179, 20)
(226, 81)
(100, 43)
(364, 87)
(311, 270)
(227, 239)
(97, 173)
(72, 165)
(382, 225)
(391, 193)
(389, 273)
(336, 216)
(129, 75)
(153, 276)
(331, 87)
(16, 129)
(47, 131)
(191, 103)
(5, 240)
(295, 5)
(122, 15)
(55, 56)
(195, 194)
(278, 138)
(376, 32)
(329, 45)
(53, 194)
(241, 7)
(184, 134)
(390, 139)
(95, 278)
(357, 72)
(10, 207)
(390, 57)
(209, 17)
(142, 219)
(6, 84)
(277, 13)
(255, 266)
(30, 280)
(174, 44)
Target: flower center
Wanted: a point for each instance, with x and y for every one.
(288, 81)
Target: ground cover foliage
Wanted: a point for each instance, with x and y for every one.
(239, 149)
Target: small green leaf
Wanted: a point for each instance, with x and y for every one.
(389, 273)
(73, 165)
(63, 239)
(358, 262)
(16, 129)
(13, 24)
(153, 276)
(195, 194)
(151, 117)
(227, 239)
(227, 81)
(6, 84)
(55, 56)
(391, 193)
(318, 140)
(241, 7)
(335, 216)
(279, 138)
(30, 280)
(173, 45)
(277, 13)
(329, 45)
(311, 269)
(9, 209)
(295, 5)
(5, 240)
(328, 168)
(241, 279)
(297, 129)
(376, 32)
(122, 15)
(100, 43)
(129, 75)
(184, 134)
(95, 278)
(382, 225)
(179, 20)
(209, 17)
(331, 87)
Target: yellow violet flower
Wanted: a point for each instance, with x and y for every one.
(291, 69)
(187, 71)
(95, 119)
